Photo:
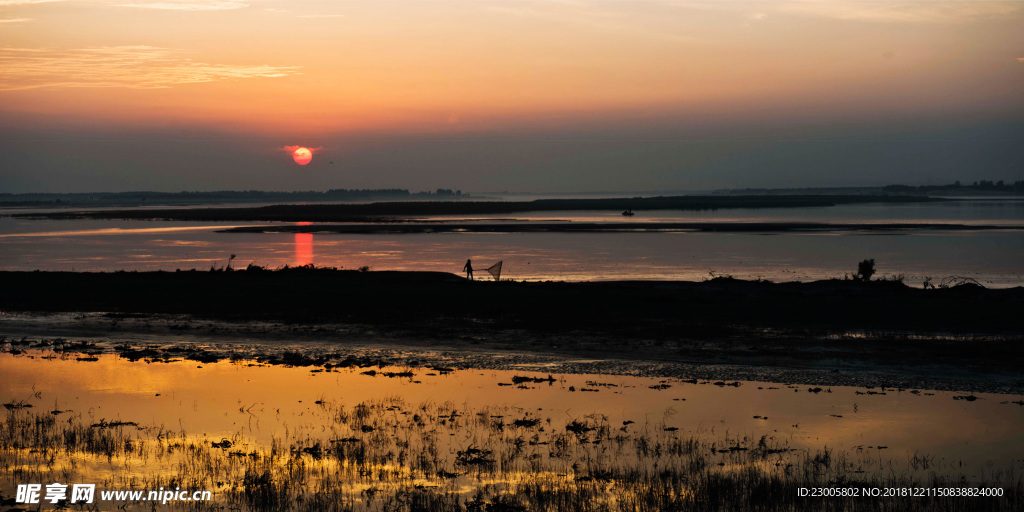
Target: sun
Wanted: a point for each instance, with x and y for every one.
(302, 155)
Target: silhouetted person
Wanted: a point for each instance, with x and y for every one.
(469, 269)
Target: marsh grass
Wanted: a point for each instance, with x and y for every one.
(389, 455)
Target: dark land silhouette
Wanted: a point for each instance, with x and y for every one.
(468, 226)
(151, 198)
(877, 324)
(375, 211)
(632, 308)
(974, 188)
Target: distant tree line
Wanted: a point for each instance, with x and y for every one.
(220, 196)
(980, 186)
(986, 185)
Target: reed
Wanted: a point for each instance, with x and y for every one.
(390, 455)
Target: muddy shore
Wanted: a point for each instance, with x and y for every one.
(165, 338)
(826, 333)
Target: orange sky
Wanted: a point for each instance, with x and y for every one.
(367, 66)
(349, 69)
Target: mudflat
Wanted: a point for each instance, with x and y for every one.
(836, 331)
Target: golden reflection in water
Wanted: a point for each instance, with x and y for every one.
(303, 246)
(259, 400)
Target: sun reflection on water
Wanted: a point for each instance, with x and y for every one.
(303, 246)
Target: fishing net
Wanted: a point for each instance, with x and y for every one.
(495, 270)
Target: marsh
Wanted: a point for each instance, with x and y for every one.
(359, 436)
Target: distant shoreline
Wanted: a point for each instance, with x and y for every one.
(369, 212)
(152, 198)
(984, 188)
(464, 226)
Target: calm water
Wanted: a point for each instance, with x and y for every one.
(994, 258)
(259, 403)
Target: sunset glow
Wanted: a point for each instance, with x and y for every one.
(387, 77)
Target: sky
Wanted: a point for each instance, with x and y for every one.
(487, 95)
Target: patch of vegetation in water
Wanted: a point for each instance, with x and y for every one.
(390, 455)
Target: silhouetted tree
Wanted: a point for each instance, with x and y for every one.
(866, 269)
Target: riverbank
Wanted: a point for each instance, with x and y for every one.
(822, 333)
(838, 361)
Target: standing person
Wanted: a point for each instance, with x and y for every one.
(469, 269)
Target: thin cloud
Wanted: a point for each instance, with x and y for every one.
(869, 11)
(14, 20)
(188, 5)
(291, 149)
(599, 16)
(134, 67)
(167, 5)
(322, 16)
(902, 12)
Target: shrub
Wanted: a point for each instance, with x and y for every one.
(865, 269)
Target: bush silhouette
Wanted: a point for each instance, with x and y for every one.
(866, 269)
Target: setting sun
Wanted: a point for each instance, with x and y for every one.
(302, 156)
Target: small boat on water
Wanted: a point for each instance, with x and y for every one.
(627, 213)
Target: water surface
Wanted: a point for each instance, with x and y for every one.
(261, 402)
(994, 258)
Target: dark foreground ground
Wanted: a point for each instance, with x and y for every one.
(965, 337)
